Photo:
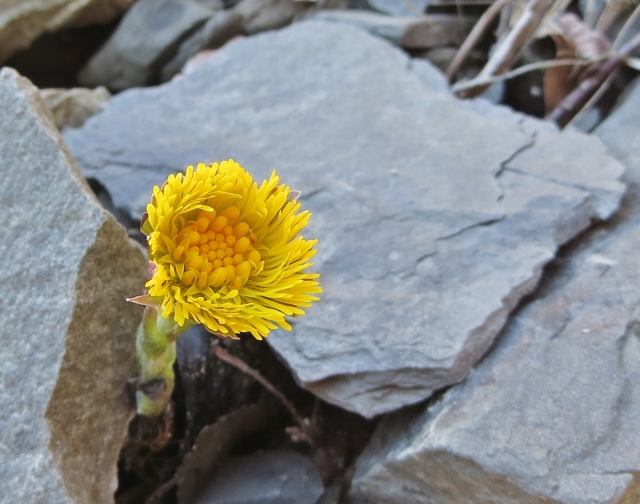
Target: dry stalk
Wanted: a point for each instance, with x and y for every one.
(602, 73)
(538, 65)
(609, 14)
(590, 14)
(594, 98)
(307, 430)
(625, 27)
(510, 47)
(474, 36)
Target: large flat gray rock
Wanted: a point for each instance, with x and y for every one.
(552, 415)
(434, 220)
(66, 333)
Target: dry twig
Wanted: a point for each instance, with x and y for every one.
(594, 98)
(591, 13)
(510, 47)
(609, 14)
(538, 65)
(602, 72)
(625, 27)
(307, 430)
(472, 39)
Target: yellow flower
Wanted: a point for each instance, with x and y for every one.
(227, 251)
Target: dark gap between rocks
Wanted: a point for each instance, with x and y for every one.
(121, 214)
(207, 390)
(54, 60)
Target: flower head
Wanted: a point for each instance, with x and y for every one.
(227, 251)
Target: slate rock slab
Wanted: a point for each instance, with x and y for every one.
(434, 219)
(262, 15)
(66, 332)
(410, 32)
(217, 31)
(146, 39)
(72, 107)
(400, 8)
(265, 477)
(552, 415)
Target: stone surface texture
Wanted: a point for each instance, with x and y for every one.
(410, 32)
(22, 21)
(146, 39)
(265, 477)
(400, 8)
(262, 15)
(552, 414)
(72, 107)
(434, 216)
(66, 332)
(218, 30)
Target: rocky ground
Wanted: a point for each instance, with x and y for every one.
(478, 336)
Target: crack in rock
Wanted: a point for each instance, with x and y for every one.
(554, 408)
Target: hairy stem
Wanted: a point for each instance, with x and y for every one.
(156, 350)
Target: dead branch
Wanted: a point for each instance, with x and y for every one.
(510, 47)
(590, 13)
(537, 65)
(626, 26)
(609, 14)
(472, 39)
(307, 431)
(579, 97)
(594, 98)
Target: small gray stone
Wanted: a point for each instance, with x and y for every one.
(265, 477)
(409, 32)
(66, 331)
(433, 220)
(587, 120)
(216, 32)
(551, 415)
(144, 41)
(262, 15)
(400, 7)
(72, 107)
(441, 57)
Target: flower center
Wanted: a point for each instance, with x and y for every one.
(216, 250)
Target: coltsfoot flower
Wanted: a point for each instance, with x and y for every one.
(227, 252)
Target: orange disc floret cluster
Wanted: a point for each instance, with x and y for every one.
(227, 251)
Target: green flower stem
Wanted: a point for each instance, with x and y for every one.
(156, 348)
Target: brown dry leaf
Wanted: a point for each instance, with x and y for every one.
(559, 81)
(576, 40)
